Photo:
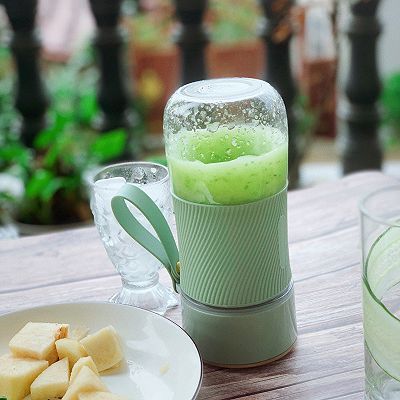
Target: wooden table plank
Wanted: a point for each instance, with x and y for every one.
(337, 385)
(327, 362)
(330, 206)
(79, 254)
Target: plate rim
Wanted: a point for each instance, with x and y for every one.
(106, 303)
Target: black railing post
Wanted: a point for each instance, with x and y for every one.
(358, 113)
(113, 94)
(277, 33)
(192, 39)
(30, 98)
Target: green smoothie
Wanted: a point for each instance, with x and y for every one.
(228, 166)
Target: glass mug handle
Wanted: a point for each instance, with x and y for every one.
(164, 247)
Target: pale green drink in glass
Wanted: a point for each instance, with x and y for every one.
(380, 223)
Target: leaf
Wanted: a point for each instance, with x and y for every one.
(50, 158)
(45, 138)
(48, 136)
(64, 146)
(55, 185)
(88, 107)
(108, 145)
(43, 185)
(15, 153)
(37, 184)
(391, 97)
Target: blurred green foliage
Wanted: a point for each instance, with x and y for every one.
(151, 23)
(306, 119)
(229, 21)
(233, 21)
(54, 170)
(390, 100)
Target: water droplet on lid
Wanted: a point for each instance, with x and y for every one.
(213, 127)
(234, 142)
(231, 125)
(228, 152)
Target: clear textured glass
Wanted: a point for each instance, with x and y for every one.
(380, 230)
(226, 141)
(137, 267)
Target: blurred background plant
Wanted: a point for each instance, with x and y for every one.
(152, 23)
(155, 61)
(14, 157)
(390, 101)
(52, 175)
(307, 119)
(229, 21)
(233, 21)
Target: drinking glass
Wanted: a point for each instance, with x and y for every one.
(380, 230)
(137, 267)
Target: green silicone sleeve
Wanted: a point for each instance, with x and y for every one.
(233, 256)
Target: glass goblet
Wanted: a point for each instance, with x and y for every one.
(137, 267)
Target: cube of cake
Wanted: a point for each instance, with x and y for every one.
(104, 347)
(52, 382)
(37, 340)
(83, 362)
(85, 381)
(78, 333)
(17, 375)
(70, 348)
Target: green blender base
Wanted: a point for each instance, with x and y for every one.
(242, 337)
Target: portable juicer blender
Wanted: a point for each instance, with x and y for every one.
(226, 142)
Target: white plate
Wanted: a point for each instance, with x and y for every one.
(162, 362)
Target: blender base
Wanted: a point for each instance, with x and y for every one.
(253, 365)
(242, 337)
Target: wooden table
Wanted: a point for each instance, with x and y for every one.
(327, 362)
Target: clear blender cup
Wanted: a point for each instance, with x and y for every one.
(226, 142)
